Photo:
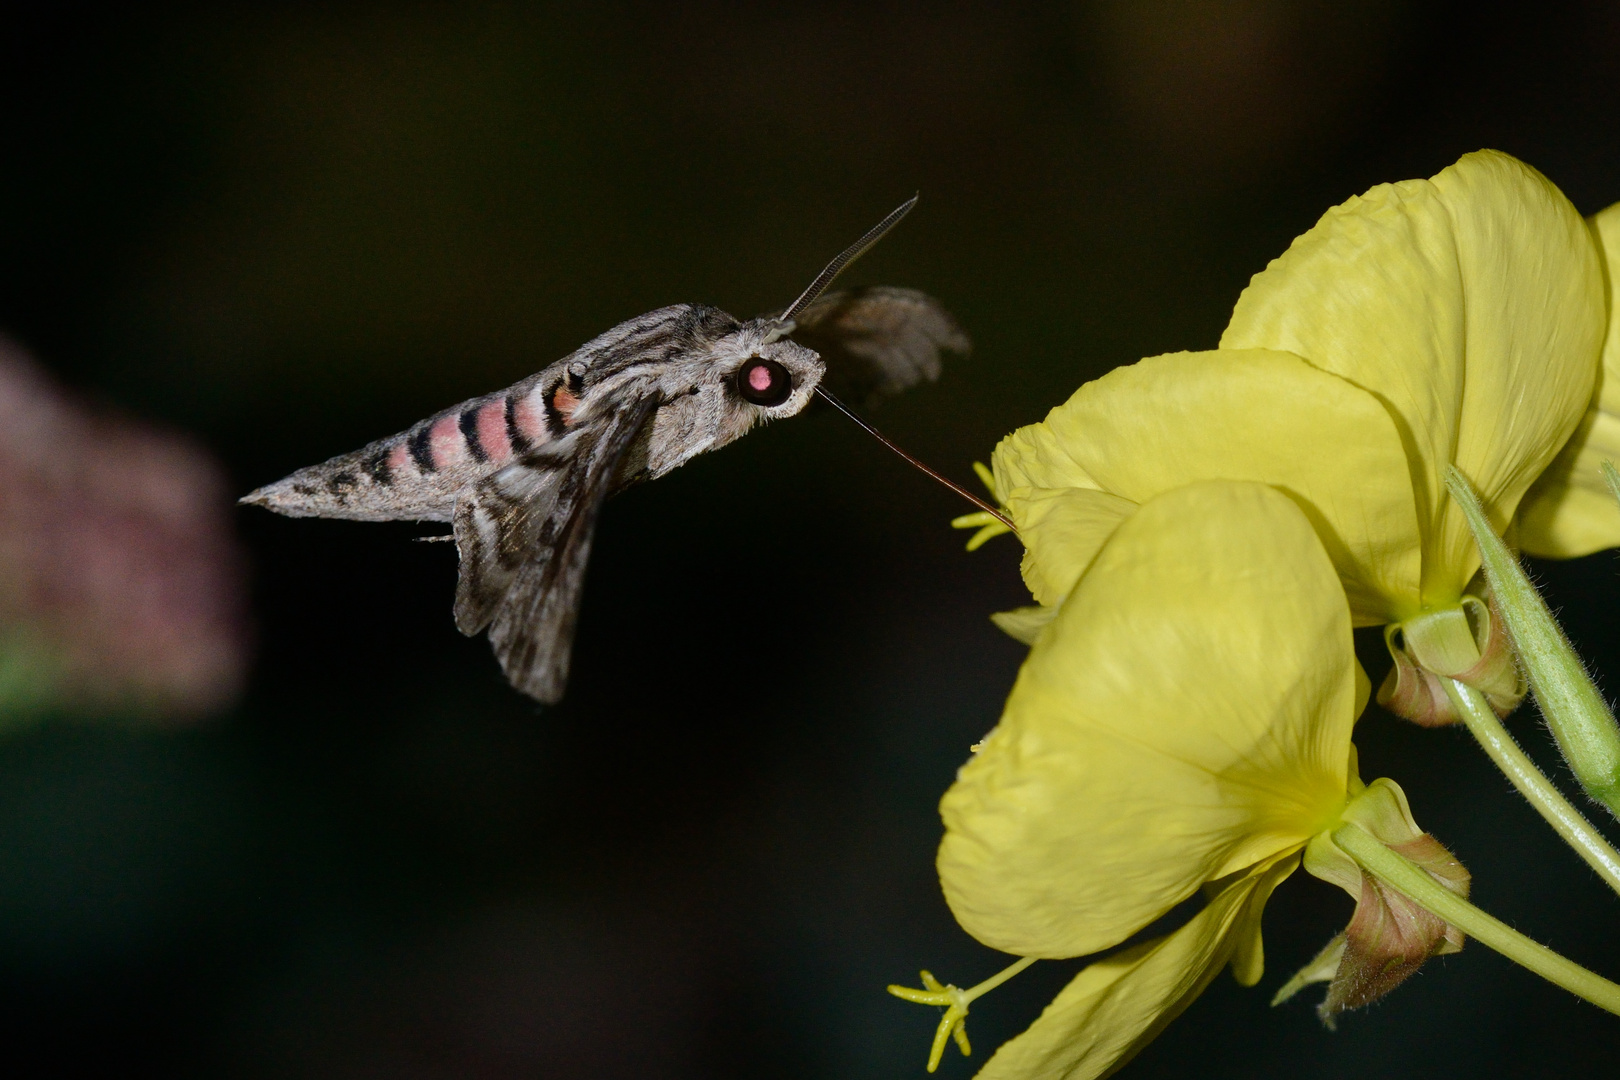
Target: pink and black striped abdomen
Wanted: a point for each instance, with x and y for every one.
(417, 474)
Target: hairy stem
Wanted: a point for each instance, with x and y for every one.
(1532, 783)
(1575, 711)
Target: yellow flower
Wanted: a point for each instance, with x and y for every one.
(1456, 320)
(1570, 511)
(1184, 723)
(1208, 654)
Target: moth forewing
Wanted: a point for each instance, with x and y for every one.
(496, 525)
(532, 629)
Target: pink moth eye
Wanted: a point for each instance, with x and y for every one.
(764, 382)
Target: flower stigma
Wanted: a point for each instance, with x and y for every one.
(956, 1002)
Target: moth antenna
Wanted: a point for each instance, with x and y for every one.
(445, 539)
(838, 265)
(880, 437)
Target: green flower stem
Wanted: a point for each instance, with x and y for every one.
(1412, 881)
(1575, 711)
(1532, 783)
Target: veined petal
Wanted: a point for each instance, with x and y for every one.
(1062, 530)
(1186, 714)
(1472, 304)
(1569, 511)
(1037, 456)
(1117, 1006)
(1229, 415)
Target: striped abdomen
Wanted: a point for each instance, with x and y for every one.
(417, 474)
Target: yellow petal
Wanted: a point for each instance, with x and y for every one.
(1233, 415)
(1569, 511)
(1037, 456)
(1472, 304)
(1186, 714)
(1062, 530)
(1117, 1006)
(1024, 624)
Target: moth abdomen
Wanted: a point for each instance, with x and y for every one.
(515, 437)
(474, 438)
(417, 474)
(419, 444)
(560, 402)
(375, 465)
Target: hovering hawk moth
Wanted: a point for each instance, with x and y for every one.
(522, 473)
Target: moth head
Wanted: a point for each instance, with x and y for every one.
(777, 375)
(734, 383)
(769, 379)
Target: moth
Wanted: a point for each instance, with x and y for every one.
(521, 474)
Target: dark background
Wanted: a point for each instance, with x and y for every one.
(293, 230)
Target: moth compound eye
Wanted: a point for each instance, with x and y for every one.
(764, 382)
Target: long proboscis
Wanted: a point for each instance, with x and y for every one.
(830, 399)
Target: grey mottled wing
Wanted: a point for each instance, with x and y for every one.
(879, 340)
(524, 535)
